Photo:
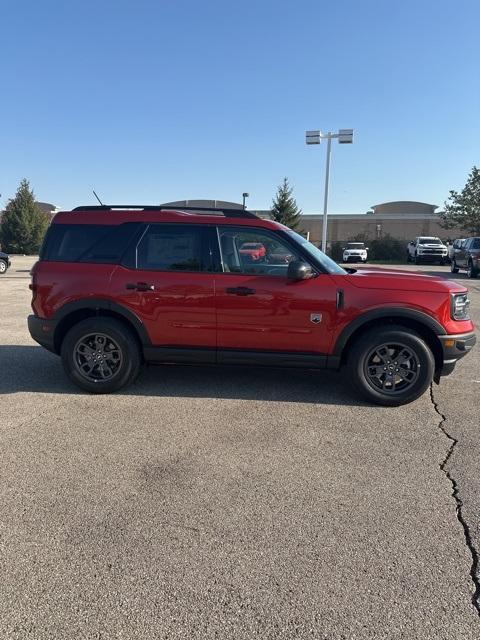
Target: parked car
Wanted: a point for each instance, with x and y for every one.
(4, 263)
(427, 249)
(116, 286)
(453, 247)
(355, 252)
(253, 250)
(467, 257)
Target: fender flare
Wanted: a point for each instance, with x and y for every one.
(99, 304)
(387, 313)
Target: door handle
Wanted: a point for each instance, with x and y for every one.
(240, 291)
(140, 286)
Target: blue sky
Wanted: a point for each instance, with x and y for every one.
(151, 101)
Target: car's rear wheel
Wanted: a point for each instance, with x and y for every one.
(101, 355)
(471, 270)
(391, 366)
(453, 266)
(3, 267)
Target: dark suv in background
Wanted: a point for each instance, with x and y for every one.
(118, 286)
(467, 257)
(4, 263)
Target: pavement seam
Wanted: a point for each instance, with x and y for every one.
(459, 506)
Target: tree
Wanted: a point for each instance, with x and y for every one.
(462, 209)
(284, 206)
(23, 223)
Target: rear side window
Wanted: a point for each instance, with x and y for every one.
(166, 247)
(475, 244)
(88, 242)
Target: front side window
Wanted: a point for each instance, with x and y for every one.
(475, 243)
(254, 251)
(165, 247)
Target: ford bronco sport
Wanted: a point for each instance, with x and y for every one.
(116, 286)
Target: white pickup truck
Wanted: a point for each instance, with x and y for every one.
(427, 249)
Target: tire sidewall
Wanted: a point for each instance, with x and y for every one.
(125, 340)
(3, 267)
(363, 347)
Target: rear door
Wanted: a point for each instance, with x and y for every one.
(460, 255)
(259, 308)
(167, 281)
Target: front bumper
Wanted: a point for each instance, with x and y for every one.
(354, 258)
(43, 332)
(455, 347)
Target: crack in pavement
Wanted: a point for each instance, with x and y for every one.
(459, 506)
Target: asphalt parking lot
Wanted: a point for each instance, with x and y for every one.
(226, 503)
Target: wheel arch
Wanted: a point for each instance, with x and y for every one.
(75, 312)
(425, 326)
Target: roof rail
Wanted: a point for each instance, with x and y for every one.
(228, 213)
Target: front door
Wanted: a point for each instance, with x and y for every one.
(170, 286)
(258, 307)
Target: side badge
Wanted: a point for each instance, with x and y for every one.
(316, 318)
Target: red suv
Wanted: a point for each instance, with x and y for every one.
(116, 286)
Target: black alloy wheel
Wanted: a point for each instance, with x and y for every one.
(391, 365)
(101, 355)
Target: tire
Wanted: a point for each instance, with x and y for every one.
(114, 348)
(471, 271)
(453, 266)
(375, 376)
(3, 267)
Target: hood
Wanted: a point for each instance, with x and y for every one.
(402, 281)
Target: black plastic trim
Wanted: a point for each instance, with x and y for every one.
(387, 313)
(289, 359)
(42, 331)
(185, 355)
(97, 304)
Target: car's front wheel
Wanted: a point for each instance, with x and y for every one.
(453, 266)
(3, 267)
(101, 355)
(391, 366)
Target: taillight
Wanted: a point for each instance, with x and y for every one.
(33, 287)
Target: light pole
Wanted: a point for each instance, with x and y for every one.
(244, 195)
(345, 136)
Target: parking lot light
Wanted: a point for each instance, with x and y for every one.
(344, 136)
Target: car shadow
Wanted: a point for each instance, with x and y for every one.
(35, 370)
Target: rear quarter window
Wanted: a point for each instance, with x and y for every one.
(88, 242)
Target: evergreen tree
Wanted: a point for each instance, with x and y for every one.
(23, 223)
(284, 206)
(462, 209)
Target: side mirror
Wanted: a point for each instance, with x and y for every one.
(298, 270)
(367, 249)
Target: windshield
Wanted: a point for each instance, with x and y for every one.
(327, 263)
(355, 245)
(429, 241)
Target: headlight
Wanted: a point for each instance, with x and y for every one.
(460, 306)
